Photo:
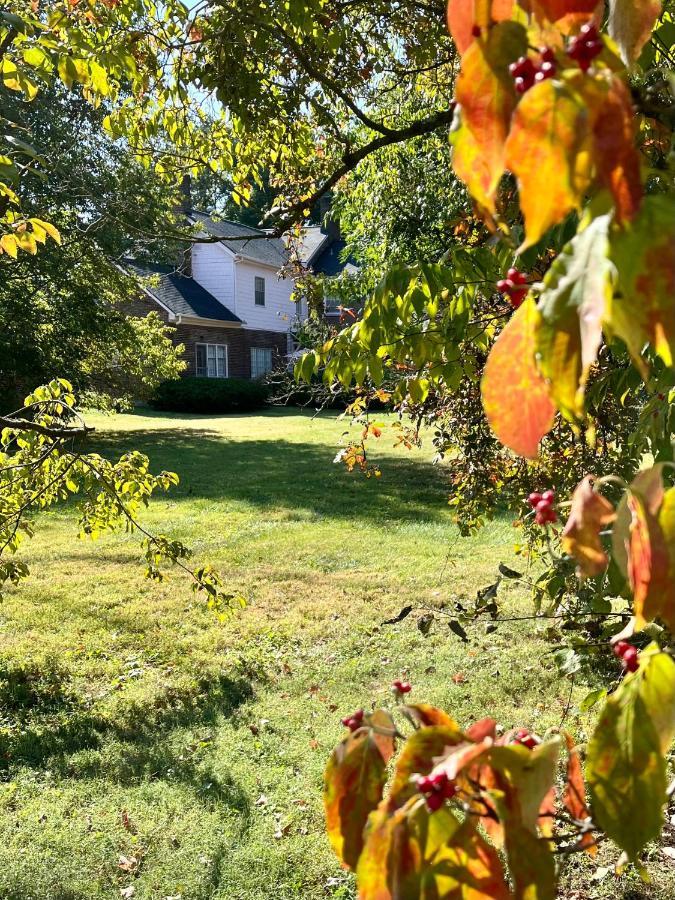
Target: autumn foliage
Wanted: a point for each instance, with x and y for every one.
(415, 805)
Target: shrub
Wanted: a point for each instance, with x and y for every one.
(209, 395)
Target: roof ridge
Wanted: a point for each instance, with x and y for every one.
(233, 222)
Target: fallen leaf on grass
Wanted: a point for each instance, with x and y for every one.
(127, 863)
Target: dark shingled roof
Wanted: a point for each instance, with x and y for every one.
(267, 250)
(179, 293)
(328, 261)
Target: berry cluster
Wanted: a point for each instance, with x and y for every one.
(354, 721)
(628, 654)
(514, 286)
(525, 739)
(526, 72)
(542, 504)
(401, 687)
(585, 46)
(436, 789)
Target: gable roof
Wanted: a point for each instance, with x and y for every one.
(328, 260)
(270, 250)
(180, 293)
(312, 239)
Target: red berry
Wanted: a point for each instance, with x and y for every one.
(546, 70)
(589, 30)
(503, 286)
(585, 46)
(548, 496)
(434, 802)
(522, 85)
(547, 54)
(424, 784)
(631, 660)
(516, 277)
(620, 648)
(476, 31)
(354, 721)
(517, 297)
(525, 739)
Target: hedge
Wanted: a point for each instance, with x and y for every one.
(209, 395)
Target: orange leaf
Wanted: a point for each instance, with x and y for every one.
(424, 714)
(463, 15)
(590, 513)
(574, 798)
(417, 757)
(630, 25)
(486, 99)
(413, 854)
(515, 396)
(549, 150)
(616, 157)
(648, 486)
(353, 785)
(649, 561)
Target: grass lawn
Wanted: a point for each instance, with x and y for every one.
(147, 750)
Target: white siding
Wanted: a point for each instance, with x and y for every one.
(213, 268)
(278, 312)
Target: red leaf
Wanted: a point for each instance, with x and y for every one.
(616, 157)
(515, 396)
(567, 10)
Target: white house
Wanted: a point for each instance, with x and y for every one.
(230, 304)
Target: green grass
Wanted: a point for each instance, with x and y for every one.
(136, 726)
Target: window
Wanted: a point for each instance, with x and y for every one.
(212, 360)
(261, 361)
(259, 291)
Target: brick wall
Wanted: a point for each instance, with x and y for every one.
(238, 340)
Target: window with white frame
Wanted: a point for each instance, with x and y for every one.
(259, 291)
(212, 360)
(261, 361)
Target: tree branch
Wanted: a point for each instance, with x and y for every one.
(55, 433)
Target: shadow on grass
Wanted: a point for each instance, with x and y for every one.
(300, 477)
(138, 743)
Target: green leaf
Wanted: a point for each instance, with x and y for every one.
(642, 309)
(573, 304)
(626, 768)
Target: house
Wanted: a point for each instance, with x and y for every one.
(230, 302)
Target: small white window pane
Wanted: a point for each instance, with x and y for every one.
(261, 361)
